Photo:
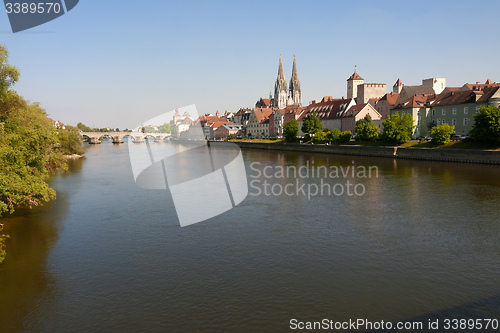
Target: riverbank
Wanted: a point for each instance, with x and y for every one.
(428, 154)
(73, 156)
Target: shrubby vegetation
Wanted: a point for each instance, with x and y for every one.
(345, 137)
(441, 134)
(397, 128)
(486, 128)
(31, 148)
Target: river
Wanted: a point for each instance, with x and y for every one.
(107, 255)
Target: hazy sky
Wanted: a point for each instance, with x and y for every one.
(118, 63)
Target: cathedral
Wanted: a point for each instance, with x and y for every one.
(287, 96)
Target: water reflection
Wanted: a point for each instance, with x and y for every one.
(26, 280)
(423, 238)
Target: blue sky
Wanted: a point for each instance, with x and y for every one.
(118, 63)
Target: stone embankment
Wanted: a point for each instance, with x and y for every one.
(428, 154)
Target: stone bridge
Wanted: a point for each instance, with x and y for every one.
(96, 137)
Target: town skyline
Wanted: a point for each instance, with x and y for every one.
(126, 68)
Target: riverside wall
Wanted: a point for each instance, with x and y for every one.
(428, 154)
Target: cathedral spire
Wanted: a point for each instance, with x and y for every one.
(280, 70)
(294, 92)
(294, 69)
(280, 91)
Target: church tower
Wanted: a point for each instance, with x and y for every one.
(352, 85)
(397, 87)
(280, 89)
(294, 93)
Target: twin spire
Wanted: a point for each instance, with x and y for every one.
(284, 97)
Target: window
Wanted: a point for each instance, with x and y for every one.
(439, 121)
(466, 121)
(433, 112)
(453, 122)
(466, 110)
(443, 112)
(444, 121)
(454, 111)
(477, 109)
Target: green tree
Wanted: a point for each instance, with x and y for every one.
(70, 141)
(441, 134)
(83, 128)
(486, 128)
(366, 129)
(27, 139)
(167, 127)
(311, 124)
(9, 74)
(150, 129)
(291, 130)
(397, 128)
(333, 135)
(345, 137)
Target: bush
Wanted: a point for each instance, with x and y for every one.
(345, 137)
(486, 128)
(291, 130)
(441, 134)
(333, 135)
(397, 128)
(319, 137)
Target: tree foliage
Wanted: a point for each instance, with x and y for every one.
(333, 135)
(486, 128)
(291, 130)
(70, 141)
(397, 128)
(366, 129)
(345, 137)
(319, 137)
(84, 128)
(8, 74)
(441, 134)
(27, 141)
(311, 124)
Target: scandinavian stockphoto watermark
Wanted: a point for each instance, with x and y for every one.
(310, 180)
(204, 179)
(26, 14)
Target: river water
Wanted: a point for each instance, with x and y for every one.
(107, 255)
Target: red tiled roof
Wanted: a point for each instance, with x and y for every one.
(390, 98)
(398, 83)
(219, 124)
(478, 86)
(355, 76)
(327, 110)
(416, 101)
(263, 113)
